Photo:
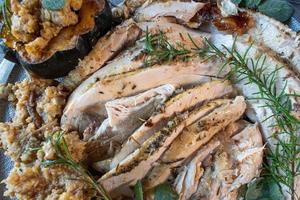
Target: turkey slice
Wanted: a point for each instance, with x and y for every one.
(180, 103)
(79, 113)
(236, 163)
(185, 12)
(124, 116)
(195, 136)
(138, 164)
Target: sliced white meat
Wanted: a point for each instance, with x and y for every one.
(183, 11)
(187, 180)
(235, 163)
(78, 113)
(247, 151)
(175, 33)
(180, 103)
(123, 63)
(196, 135)
(129, 59)
(124, 116)
(278, 37)
(105, 49)
(128, 113)
(102, 166)
(138, 164)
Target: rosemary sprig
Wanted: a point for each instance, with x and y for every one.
(64, 158)
(158, 49)
(5, 24)
(284, 163)
(5, 15)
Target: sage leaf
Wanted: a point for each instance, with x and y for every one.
(53, 4)
(236, 1)
(138, 191)
(252, 3)
(277, 9)
(165, 192)
(264, 188)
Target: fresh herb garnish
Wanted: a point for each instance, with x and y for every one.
(264, 189)
(158, 49)
(165, 192)
(161, 192)
(5, 17)
(138, 191)
(252, 3)
(53, 4)
(64, 158)
(278, 9)
(284, 161)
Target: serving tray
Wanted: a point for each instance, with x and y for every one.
(11, 73)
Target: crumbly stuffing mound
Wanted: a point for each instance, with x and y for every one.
(20, 141)
(6, 92)
(51, 103)
(29, 140)
(38, 105)
(34, 26)
(53, 182)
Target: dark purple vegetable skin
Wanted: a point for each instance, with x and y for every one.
(60, 64)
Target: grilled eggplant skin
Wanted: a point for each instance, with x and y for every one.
(62, 62)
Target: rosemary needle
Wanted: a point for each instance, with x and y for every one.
(5, 20)
(64, 158)
(158, 49)
(5, 13)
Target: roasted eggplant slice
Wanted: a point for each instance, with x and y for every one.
(72, 43)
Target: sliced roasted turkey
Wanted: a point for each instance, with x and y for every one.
(188, 179)
(140, 162)
(184, 11)
(180, 103)
(195, 136)
(235, 163)
(82, 111)
(124, 116)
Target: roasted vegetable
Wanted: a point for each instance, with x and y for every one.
(63, 52)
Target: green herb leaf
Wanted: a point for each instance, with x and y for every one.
(53, 4)
(264, 189)
(241, 3)
(236, 1)
(165, 192)
(138, 191)
(5, 14)
(252, 3)
(277, 9)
